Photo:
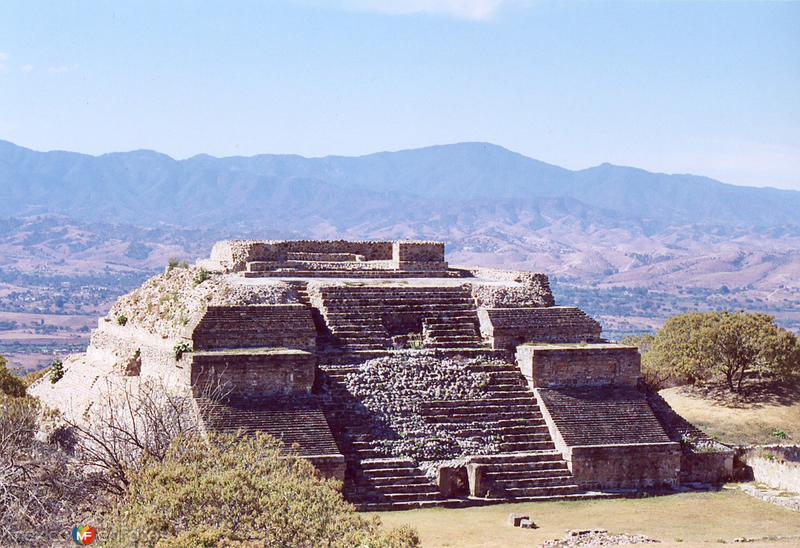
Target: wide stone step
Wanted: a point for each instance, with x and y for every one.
(481, 408)
(393, 290)
(405, 488)
(522, 468)
(534, 482)
(352, 274)
(396, 479)
(396, 299)
(527, 437)
(549, 491)
(388, 462)
(518, 471)
(527, 446)
(453, 345)
(516, 458)
(446, 421)
(389, 472)
(455, 338)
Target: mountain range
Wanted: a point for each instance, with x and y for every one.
(606, 225)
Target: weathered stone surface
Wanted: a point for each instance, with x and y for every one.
(256, 326)
(253, 373)
(453, 481)
(579, 364)
(509, 327)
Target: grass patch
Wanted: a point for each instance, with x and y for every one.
(688, 518)
(753, 422)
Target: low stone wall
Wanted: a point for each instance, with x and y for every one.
(411, 255)
(519, 289)
(579, 365)
(235, 254)
(777, 466)
(709, 467)
(253, 374)
(625, 466)
(287, 326)
(510, 327)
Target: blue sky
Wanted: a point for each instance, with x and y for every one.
(711, 88)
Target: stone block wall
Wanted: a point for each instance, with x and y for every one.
(510, 289)
(579, 365)
(410, 255)
(628, 466)
(253, 375)
(235, 254)
(285, 325)
(508, 327)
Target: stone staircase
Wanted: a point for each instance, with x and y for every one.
(526, 475)
(359, 317)
(526, 465)
(372, 481)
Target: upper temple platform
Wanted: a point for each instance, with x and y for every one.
(332, 259)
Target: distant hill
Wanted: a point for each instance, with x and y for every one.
(607, 225)
(343, 193)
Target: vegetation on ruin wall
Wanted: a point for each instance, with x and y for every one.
(719, 347)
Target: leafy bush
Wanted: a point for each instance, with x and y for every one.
(122, 319)
(181, 348)
(10, 384)
(176, 263)
(780, 434)
(56, 371)
(242, 491)
(201, 276)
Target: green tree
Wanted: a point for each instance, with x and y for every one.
(243, 491)
(655, 375)
(725, 346)
(10, 384)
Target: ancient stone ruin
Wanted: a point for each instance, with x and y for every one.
(413, 382)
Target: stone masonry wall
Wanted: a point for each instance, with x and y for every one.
(253, 374)
(775, 466)
(516, 289)
(579, 365)
(234, 254)
(286, 326)
(625, 466)
(509, 327)
(408, 255)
